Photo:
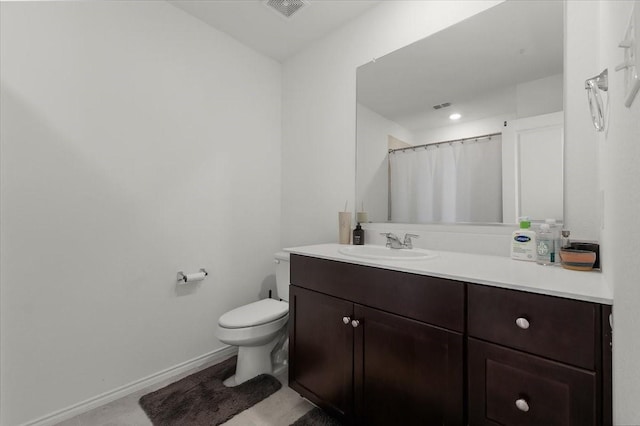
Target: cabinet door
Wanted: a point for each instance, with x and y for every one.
(321, 349)
(406, 372)
(508, 387)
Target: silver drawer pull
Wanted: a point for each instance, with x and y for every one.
(355, 323)
(346, 320)
(522, 405)
(523, 323)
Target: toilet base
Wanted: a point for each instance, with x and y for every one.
(277, 369)
(252, 361)
(231, 381)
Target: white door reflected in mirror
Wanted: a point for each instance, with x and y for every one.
(533, 182)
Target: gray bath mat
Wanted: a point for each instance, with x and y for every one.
(317, 417)
(202, 399)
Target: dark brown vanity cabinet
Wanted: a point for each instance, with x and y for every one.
(382, 347)
(535, 359)
(377, 347)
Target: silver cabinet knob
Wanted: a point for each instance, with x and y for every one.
(522, 404)
(523, 323)
(346, 320)
(355, 323)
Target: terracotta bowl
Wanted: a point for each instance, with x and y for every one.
(578, 260)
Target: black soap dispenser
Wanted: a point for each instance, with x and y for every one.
(358, 235)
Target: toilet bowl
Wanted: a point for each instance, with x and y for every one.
(257, 329)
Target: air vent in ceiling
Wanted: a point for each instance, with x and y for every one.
(444, 105)
(286, 8)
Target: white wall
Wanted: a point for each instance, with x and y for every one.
(372, 174)
(540, 96)
(319, 103)
(621, 237)
(536, 97)
(582, 207)
(477, 239)
(136, 142)
(467, 129)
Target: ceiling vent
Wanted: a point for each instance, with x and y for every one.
(286, 8)
(444, 105)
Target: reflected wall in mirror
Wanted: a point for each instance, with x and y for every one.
(502, 72)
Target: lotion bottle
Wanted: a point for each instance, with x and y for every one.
(523, 242)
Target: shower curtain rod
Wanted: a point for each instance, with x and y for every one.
(426, 145)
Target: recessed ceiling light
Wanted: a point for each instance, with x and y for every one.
(454, 116)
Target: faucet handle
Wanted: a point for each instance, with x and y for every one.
(389, 235)
(392, 239)
(407, 240)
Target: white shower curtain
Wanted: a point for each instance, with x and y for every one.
(447, 183)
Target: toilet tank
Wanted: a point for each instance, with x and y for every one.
(282, 274)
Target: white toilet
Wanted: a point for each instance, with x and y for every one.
(257, 328)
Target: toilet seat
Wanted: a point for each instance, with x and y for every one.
(254, 314)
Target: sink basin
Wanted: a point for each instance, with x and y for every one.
(386, 253)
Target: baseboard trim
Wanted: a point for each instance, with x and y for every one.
(109, 396)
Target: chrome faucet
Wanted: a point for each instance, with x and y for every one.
(407, 240)
(394, 242)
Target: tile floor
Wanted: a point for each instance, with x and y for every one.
(280, 409)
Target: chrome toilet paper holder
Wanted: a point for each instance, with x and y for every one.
(185, 278)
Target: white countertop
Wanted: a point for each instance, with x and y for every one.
(496, 271)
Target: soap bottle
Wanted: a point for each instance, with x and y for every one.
(358, 235)
(545, 245)
(523, 242)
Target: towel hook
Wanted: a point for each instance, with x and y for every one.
(593, 86)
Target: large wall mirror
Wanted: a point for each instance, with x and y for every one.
(466, 125)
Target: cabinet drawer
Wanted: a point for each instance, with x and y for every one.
(508, 387)
(435, 301)
(561, 329)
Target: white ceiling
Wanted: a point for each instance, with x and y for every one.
(258, 26)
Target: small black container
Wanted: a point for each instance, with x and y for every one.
(358, 236)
